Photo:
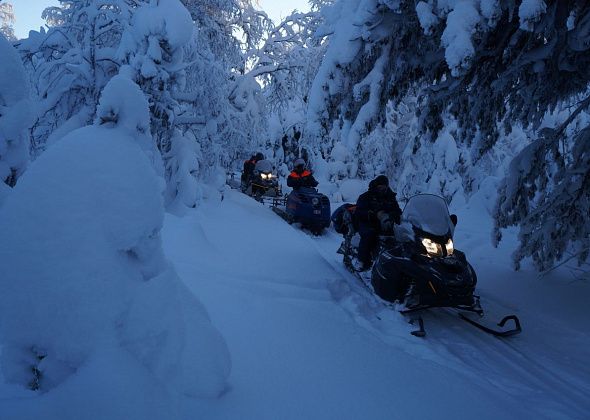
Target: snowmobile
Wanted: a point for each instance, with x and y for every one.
(263, 183)
(306, 206)
(417, 266)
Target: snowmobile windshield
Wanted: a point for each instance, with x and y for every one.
(263, 166)
(429, 213)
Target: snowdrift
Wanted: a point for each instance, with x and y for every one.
(87, 281)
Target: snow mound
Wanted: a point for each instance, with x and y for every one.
(178, 342)
(13, 84)
(350, 189)
(124, 106)
(456, 38)
(168, 16)
(86, 271)
(4, 192)
(490, 9)
(123, 103)
(529, 12)
(184, 155)
(427, 19)
(14, 113)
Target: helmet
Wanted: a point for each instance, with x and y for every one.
(259, 156)
(298, 162)
(379, 185)
(381, 180)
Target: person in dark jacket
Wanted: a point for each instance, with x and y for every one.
(301, 177)
(374, 209)
(249, 166)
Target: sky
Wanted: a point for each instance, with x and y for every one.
(28, 12)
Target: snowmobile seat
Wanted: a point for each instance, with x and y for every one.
(343, 218)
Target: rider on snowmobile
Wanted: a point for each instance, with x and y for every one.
(249, 166)
(301, 177)
(376, 211)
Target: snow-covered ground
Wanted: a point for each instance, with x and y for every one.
(307, 340)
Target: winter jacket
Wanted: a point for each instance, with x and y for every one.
(370, 203)
(249, 166)
(303, 179)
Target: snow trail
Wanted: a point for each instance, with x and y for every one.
(308, 340)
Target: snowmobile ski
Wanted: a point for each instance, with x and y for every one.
(475, 309)
(282, 213)
(420, 332)
(497, 333)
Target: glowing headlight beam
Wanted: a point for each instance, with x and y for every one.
(450, 247)
(432, 248)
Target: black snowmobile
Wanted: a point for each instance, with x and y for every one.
(263, 183)
(417, 266)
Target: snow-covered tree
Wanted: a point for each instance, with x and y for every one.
(71, 64)
(353, 84)
(229, 28)
(14, 115)
(479, 70)
(285, 65)
(546, 194)
(152, 48)
(381, 50)
(7, 20)
(221, 92)
(187, 68)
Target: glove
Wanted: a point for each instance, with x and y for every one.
(385, 221)
(387, 225)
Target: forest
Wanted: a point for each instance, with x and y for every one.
(120, 116)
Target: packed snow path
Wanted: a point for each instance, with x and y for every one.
(308, 341)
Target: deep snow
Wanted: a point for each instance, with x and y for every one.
(307, 340)
(92, 316)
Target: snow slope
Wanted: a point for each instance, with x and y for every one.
(308, 341)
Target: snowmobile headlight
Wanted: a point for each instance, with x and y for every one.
(315, 201)
(450, 248)
(433, 249)
(263, 176)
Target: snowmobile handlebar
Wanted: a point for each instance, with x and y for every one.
(386, 222)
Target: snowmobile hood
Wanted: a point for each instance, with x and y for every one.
(263, 166)
(428, 213)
